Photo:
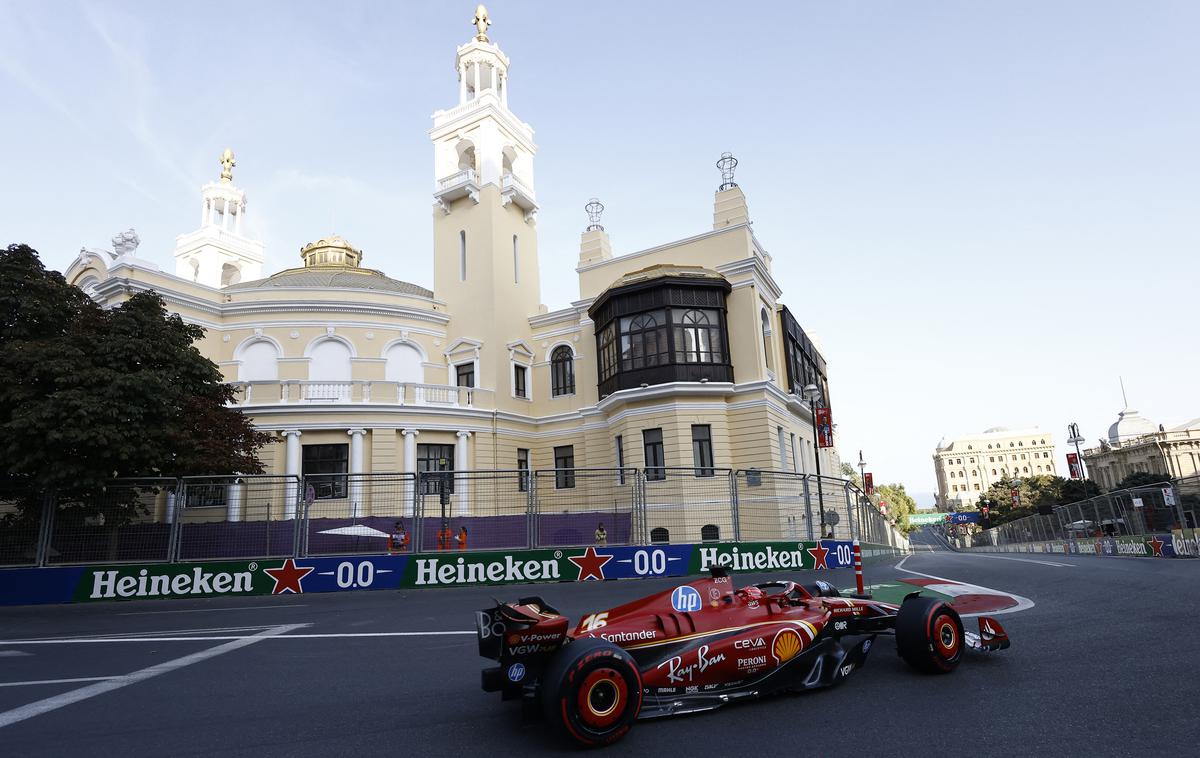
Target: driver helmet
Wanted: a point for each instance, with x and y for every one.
(750, 594)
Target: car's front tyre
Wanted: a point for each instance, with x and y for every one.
(929, 635)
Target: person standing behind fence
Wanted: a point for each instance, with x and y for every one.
(443, 537)
(601, 536)
(460, 539)
(398, 539)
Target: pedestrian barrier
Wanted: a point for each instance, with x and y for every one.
(220, 518)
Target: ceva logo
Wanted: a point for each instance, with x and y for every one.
(686, 599)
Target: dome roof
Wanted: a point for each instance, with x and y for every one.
(331, 251)
(660, 270)
(1128, 426)
(334, 277)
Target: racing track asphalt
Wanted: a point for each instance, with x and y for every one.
(1104, 664)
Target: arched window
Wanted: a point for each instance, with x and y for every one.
(260, 362)
(562, 371)
(462, 255)
(466, 155)
(766, 336)
(230, 274)
(659, 535)
(710, 533)
(643, 341)
(993, 472)
(328, 372)
(403, 364)
(516, 262)
(697, 337)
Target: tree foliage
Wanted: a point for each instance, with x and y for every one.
(1035, 491)
(900, 504)
(91, 394)
(1141, 479)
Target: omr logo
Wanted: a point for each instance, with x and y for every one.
(686, 598)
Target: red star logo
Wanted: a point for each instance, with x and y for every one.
(1156, 545)
(819, 554)
(591, 565)
(287, 577)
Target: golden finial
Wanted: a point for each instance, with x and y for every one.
(227, 165)
(481, 22)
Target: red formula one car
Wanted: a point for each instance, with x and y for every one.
(702, 645)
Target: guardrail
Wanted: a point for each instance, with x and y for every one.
(236, 517)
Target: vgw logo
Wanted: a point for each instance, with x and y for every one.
(686, 599)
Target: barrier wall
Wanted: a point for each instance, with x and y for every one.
(1175, 545)
(382, 572)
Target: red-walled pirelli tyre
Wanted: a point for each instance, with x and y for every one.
(929, 635)
(592, 691)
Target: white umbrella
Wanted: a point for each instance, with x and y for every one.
(357, 530)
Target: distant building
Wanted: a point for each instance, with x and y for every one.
(967, 466)
(1136, 444)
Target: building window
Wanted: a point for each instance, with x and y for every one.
(564, 467)
(1022, 456)
(462, 256)
(620, 459)
(652, 448)
(519, 376)
(976, 487)
(643, 341)
(993, 472)
(324, 467)
(562, 371)
(523, 469)
(972, 460)
(659, 536)
(435, 458)
(783, 456)
(516, 262)
(697, 337)
(465, 374)
(795, 463)
(710, 533)
(766, 337)
(702, 454)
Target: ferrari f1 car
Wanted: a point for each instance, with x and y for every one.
(702, 645)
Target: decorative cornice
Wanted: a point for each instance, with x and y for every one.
(659, 248)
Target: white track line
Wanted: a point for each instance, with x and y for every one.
(10, 717)
(1023, 603)
(1022, 560)
(171, 632)
(57, 681)
(277, 636)
(12, 653)
(213, 610)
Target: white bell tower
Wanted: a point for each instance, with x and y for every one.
(217, 254)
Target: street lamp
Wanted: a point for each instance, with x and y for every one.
(812, 393)
(1075, 439)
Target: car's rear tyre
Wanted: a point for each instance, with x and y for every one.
(929, 635)
(592, 691)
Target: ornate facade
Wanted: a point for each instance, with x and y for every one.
(680, 355)
(967, 466)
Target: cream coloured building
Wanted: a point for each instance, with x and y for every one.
(1136, 444)
(680, 355)
(967, 466)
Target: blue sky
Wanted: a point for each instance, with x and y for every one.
(985, 212)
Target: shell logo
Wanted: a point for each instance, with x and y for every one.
(785, 645)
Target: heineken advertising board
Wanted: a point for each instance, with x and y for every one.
(1176, 545)
(281, 576)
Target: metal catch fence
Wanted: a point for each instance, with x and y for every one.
(1159, 508)
(242, 517)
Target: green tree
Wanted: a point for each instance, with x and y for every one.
(1141, 479)
(91, 394)
(900, 504)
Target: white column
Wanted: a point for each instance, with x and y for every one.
(292, 468)
(460, 464)
(410, 465)
(356, 470)
(504, 89)
(477, 67)
(241, 211)
(225, 214)
(462, 83)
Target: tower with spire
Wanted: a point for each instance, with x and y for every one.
(219, 253)
(484, 208)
